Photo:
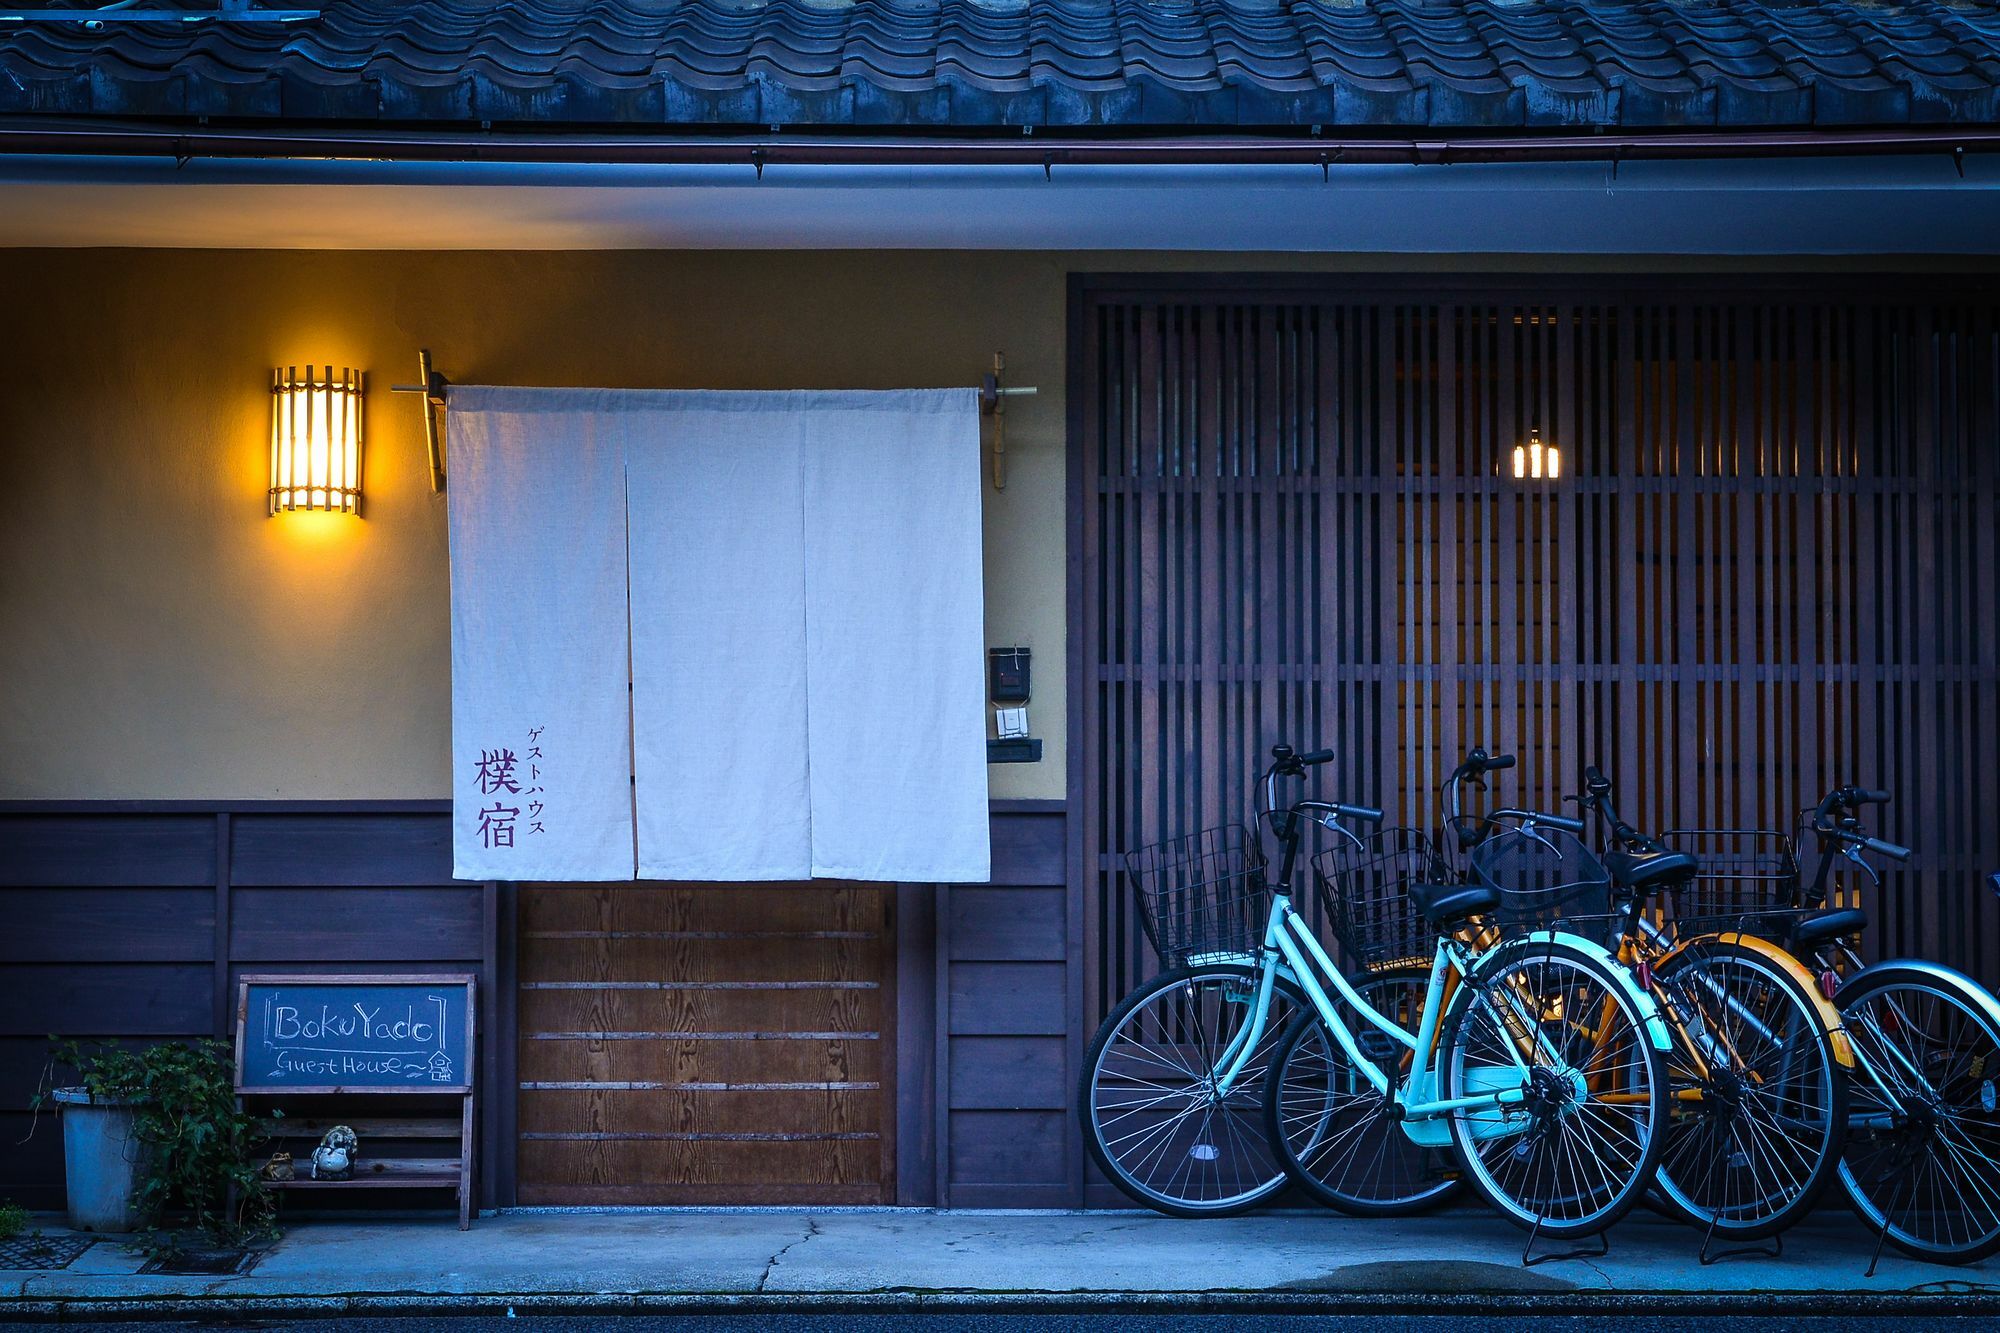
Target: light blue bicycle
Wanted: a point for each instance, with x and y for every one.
(1537, 1063)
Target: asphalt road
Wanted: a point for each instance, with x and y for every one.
(1107, 1323)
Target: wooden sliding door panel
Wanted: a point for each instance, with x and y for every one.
(706, 1044)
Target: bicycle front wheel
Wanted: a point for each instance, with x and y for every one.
(1580, 1148)
(1152, 1116)
(1760, 1102)
(1923, 1139)
(1341, 1139)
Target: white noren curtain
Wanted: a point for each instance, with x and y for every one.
(805, 628)
(540, 708)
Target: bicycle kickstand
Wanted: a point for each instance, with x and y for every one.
(1888, 1220)
(1775, 1250)
(1529, 1259)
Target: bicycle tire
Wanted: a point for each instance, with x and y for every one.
(1773, 1121)
(1507, 1150)
(1297, 1114)
(1225, 1166)
(1964, 1113)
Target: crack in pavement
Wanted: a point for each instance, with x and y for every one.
(771, 1264)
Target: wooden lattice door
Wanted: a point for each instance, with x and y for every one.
(1766, 563)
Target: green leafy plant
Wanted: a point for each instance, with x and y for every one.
(13, 1220)
(198, 1167)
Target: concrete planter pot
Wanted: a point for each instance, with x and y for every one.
(102, 1160)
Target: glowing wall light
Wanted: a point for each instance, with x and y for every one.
(1537, 461)
(316, 439)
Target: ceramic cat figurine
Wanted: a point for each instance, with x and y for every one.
(335, 1156)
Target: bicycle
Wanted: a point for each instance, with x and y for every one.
(1921, 1165)
(1760, 1061)
(1365, 885)
(1558, 1125)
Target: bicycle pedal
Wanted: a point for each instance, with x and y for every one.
(1378, 1046)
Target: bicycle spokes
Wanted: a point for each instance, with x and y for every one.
(1576, 1147)
(1923, 1157)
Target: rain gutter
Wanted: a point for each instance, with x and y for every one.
(43, 136)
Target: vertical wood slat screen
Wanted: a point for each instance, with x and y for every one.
(1769, 565)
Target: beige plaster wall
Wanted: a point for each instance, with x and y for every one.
(159, 637)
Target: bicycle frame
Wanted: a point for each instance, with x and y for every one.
(1289, 941)
(1290, 944)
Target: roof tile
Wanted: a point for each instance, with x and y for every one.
(1438, 64)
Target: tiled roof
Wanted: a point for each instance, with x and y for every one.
(1394, 64)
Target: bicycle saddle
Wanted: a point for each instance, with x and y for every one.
(1828, 924)
(1447, 904)
(1647, 871)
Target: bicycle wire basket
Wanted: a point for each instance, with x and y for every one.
(1747, 879)
(1546, 878)
(1365, 889)
(1202, 895)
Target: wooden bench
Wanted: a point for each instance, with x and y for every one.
(397, 1152)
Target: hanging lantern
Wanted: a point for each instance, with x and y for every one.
(316, 439)
(1536, 461)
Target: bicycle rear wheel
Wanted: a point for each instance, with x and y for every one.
(1151, 1116)
(1333, 1132)
(1580, 1150)
(1760, 1101)
(1923, 1145)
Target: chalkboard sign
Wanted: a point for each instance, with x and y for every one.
(328, 1034)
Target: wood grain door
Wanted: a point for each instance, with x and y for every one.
(706, 1044)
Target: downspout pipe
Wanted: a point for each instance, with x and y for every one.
(43, 136)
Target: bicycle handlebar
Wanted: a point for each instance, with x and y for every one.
(1597, 798)
(1563, 822)
(1289, 763)
(1852, 798)
(1847, 798)
(1894, 851)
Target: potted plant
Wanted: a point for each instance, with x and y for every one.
(154, 1137)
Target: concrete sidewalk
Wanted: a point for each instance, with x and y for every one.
(917, 1259)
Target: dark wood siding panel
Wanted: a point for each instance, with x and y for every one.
(997, 925)
(1015, 1149)
(1008, 1024)
(122, 928)
(115, 911)
(94, 925)
(1008, 999)
(85, 850)
(1008, 1074)
(354, 924)
(389, 850)
(1028, 848)
(107, 999)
